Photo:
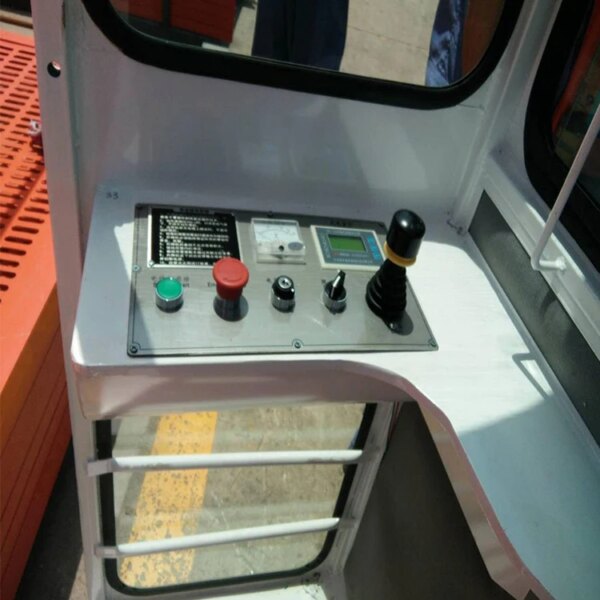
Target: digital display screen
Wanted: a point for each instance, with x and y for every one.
(350, 243)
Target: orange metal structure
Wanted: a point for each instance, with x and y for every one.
(34, 419)
(582, 74)
(214, 19)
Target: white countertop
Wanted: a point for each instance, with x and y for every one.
(503, 424)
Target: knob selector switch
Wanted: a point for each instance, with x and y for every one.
(283, 294)
(231, 276)
(386, 291)
(334, 293)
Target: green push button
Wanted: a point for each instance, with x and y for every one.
(169, 294)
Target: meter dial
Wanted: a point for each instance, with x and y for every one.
(277, 241)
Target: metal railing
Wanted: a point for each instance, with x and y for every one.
(202, 540)
(221, 461)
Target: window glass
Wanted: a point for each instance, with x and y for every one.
(576, 107)
(165, 504)
(564, 98)
(424, 42)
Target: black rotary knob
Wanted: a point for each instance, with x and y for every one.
(404, 235)
(283, 294)
(334, 293)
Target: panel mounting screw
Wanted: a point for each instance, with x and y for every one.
(297, 344)
(135, 268)
(133, 349)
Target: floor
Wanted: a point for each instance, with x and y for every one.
(46, 577)
(387, 39)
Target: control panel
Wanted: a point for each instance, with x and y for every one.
(208, 282)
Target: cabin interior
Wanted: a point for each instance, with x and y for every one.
(300, 300)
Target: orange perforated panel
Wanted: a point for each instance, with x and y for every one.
(27, 274)
(34, 427)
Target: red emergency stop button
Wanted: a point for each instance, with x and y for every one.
(231, 276)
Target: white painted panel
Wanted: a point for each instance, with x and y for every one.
(530, 468)
(263, 147)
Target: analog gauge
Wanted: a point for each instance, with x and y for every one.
(277, 241)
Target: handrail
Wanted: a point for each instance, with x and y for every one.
(216, 538)
(119, 464)
(559, 264)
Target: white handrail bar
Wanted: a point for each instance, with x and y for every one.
(537, 263)
(219, 461)
(201, 540)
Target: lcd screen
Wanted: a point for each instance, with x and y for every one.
(346, 242)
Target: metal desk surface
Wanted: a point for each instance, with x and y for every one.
(524, 467)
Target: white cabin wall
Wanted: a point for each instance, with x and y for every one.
(256, 146)
(505, 102)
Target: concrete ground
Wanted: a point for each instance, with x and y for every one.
(386, 39)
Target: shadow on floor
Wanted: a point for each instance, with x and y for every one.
(56, 553)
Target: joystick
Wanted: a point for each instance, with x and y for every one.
(386, 291)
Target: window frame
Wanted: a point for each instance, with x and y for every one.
(545, 169)
(145, 49)
(108, 523)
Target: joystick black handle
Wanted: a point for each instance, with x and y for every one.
(386, 291)
(404, 237)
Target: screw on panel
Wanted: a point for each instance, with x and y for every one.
(54, 68)
(133, 349)
(395, 326)
(312, 579)
(297, 344)
(135, 268)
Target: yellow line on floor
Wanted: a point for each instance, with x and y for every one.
(170, 502)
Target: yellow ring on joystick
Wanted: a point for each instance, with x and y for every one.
(397, 260)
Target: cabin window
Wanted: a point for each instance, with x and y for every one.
(154, 505)
(424, 54)
(564, 98)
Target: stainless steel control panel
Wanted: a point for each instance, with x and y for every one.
(173, 310)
